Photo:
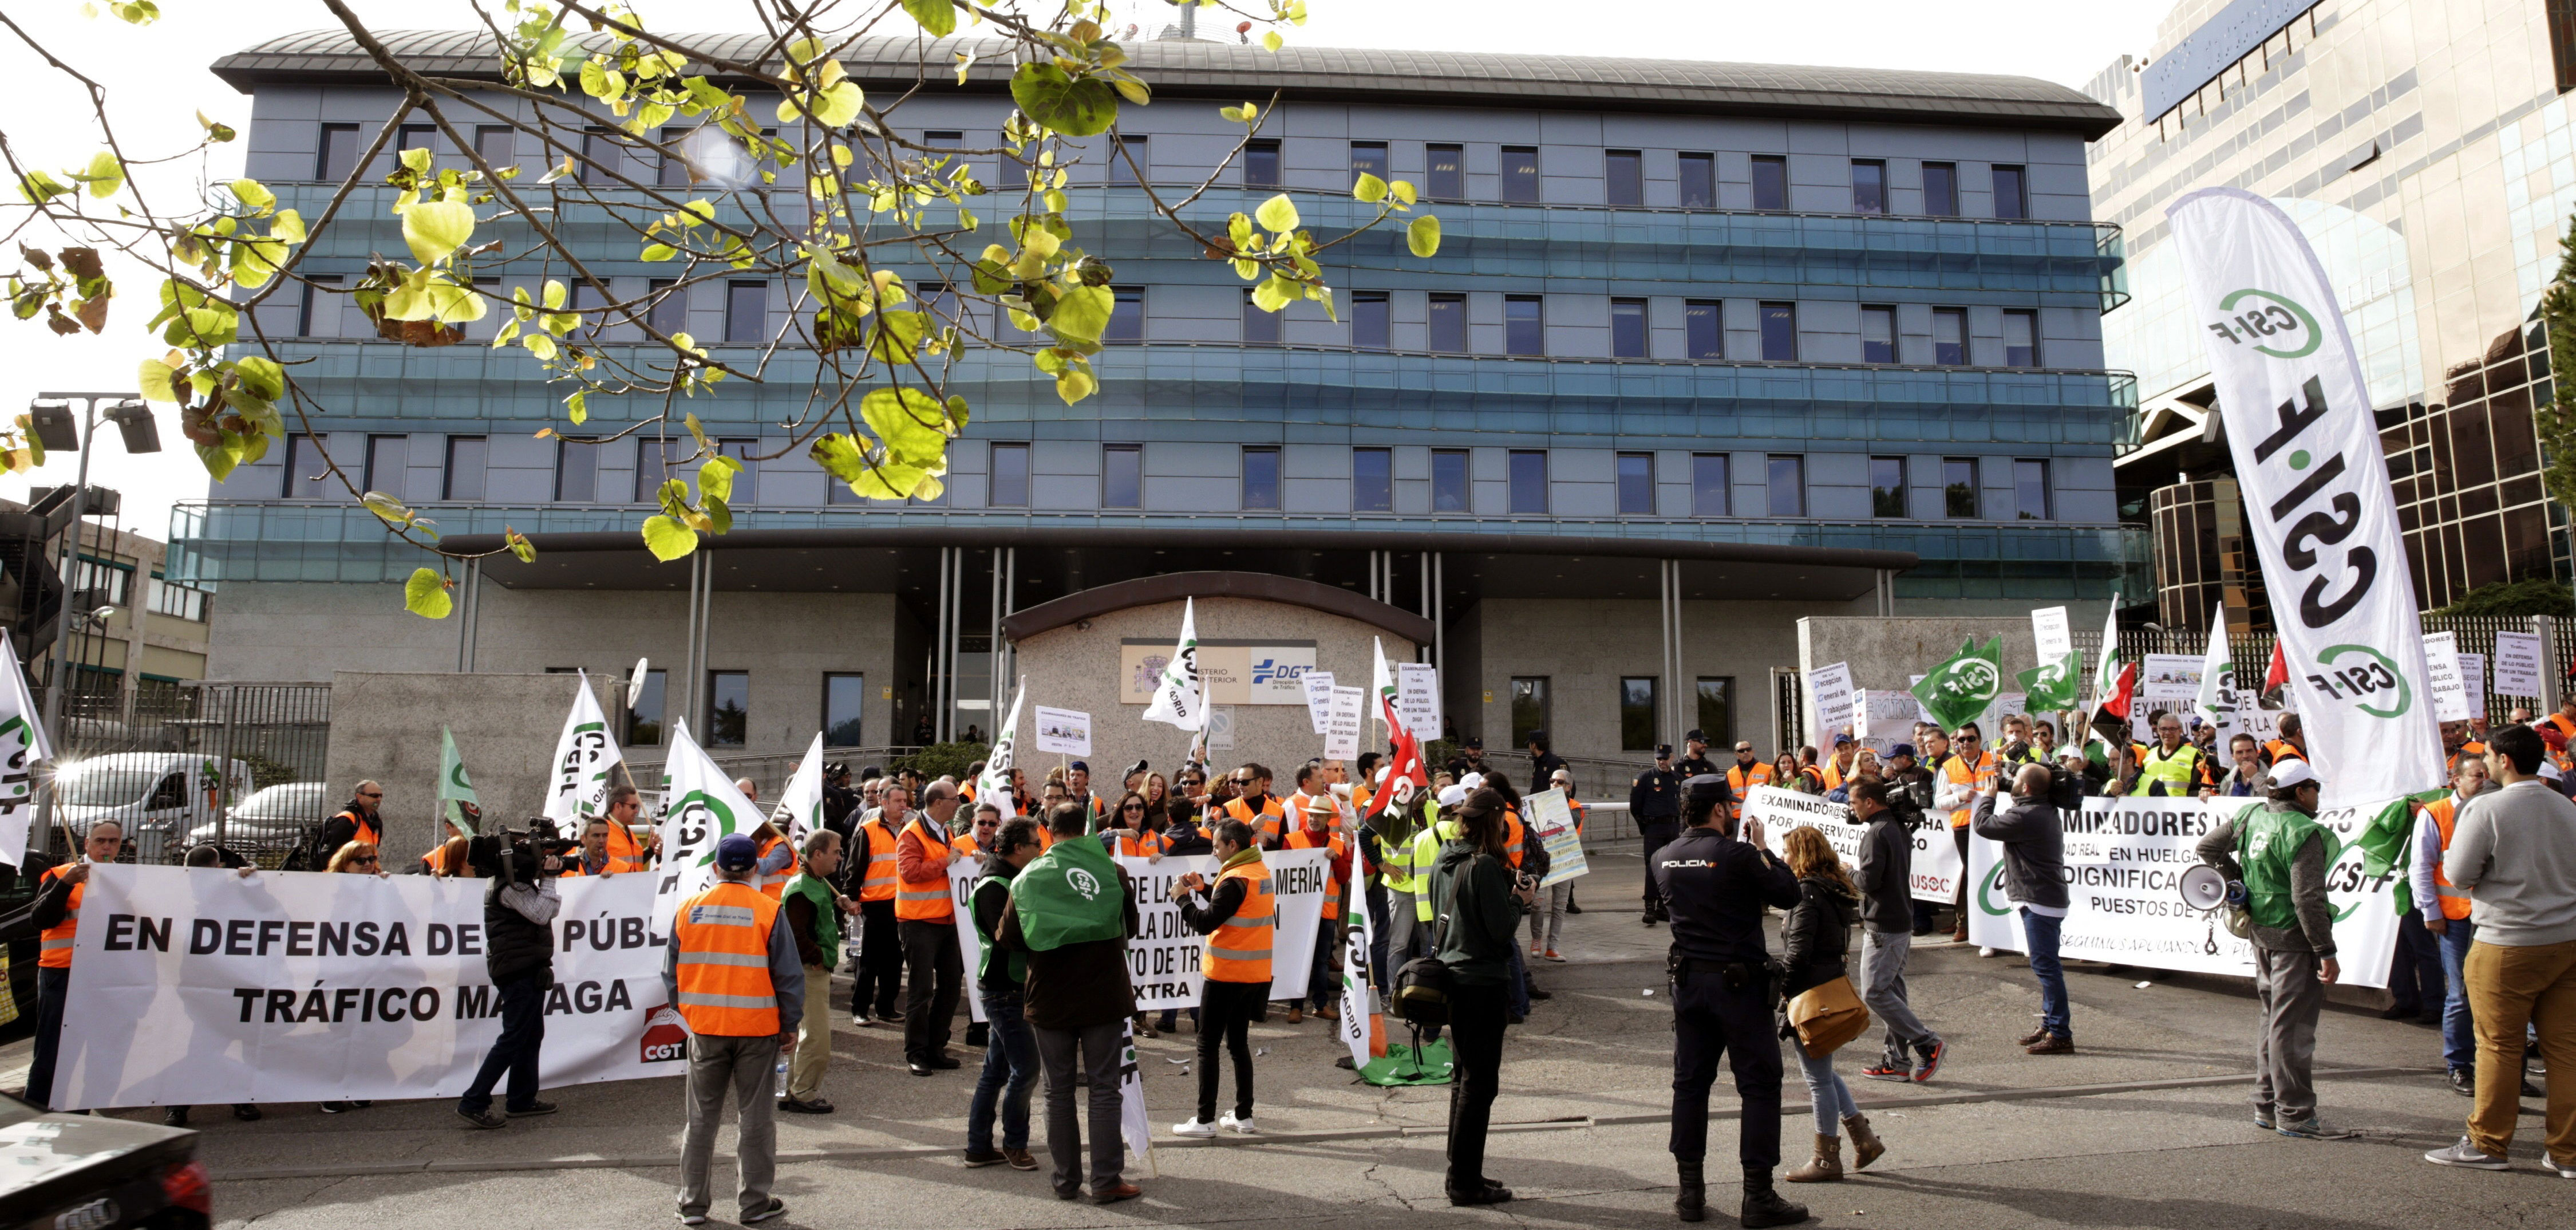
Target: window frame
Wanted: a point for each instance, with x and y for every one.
(1882, 497)
(717, 736)
(372, 481)
(482, 466)
(1778, 163)
(1631, 713)
(1774, 309)
(322, 152)
(1532, 691)
(1373, 493)
(1640, 340)
(1134, 456)
(1132, 148)
(1257, 322)
(1125, 328)
(1945, 203)
(734, 289)
(1449, 184)
(1956, 316)
(2028, 318)
(601, 156)
(565, 451)
(1623, 174)
(1456, 303)
(1715, 350)
(313, 298)
(1246, 496)
(1686, 168)
(1526, 490)
(1512, 174)
(2022, 492)
(1878, 168)
(1381, 321)
(668, 313)
(1720, 730)
(1256, 152)
(1527, 336)
(1870, 312)
(1796, 469)
(858, 720)
(1625, 485)
(993, 491)
(1951, 490)
(2019, 197)
(657, 688)
(1465, 464)
(1724, 465)
(1381, 165)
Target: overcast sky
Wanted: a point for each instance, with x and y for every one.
(157, 81)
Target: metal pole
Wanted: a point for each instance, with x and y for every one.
(1664, 620)
(993, 650)
(1439, 614)
(2545, 627)
(944, 724)
(135, 613)
(706, 621)
(42, 839)
(1011, 603)
(223, 770)
(468, 628)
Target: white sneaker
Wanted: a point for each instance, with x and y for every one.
(1240, 1127)
(1196, 1127)
(1985, 952)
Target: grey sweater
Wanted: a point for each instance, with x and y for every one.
(2514, 850)
(2315, 932)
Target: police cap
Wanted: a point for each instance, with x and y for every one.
(1705, 789)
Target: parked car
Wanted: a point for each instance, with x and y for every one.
(92, 1172)
(271, 821)
(160, 797)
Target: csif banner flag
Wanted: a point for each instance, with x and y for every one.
(2317, 496)
(800, 806)
(455, 791)
(22, 748)
(1958, 691)
(699, 808)
(995, 785)
(585, 755)
(1178, 698)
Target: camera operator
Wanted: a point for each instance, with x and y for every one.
(519, 911)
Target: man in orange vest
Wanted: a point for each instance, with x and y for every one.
(2289, 744)
(1747, 772)
(1322, 990)
(870, 876)
(1240, 920)
(626, 851)
(1252, 804)
(731, 970)
(356, 822)
(57, 919)
(926, 922)
(2445, 911)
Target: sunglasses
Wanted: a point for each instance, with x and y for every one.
(371, 796)
(369, 861)
(1133, 807)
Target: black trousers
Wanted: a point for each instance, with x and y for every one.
(880, 970)
(1656, 833)
(53, 986)
(2415, 982)
(1226, 1010)
(1476, 1048)
(1711, 1019)
(517, 1051)
(936, 968)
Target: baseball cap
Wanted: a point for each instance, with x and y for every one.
(737, 852)
(1453, 796)
(1841, 739)
(2291, 773)
(1471, 781)
(1901, 749)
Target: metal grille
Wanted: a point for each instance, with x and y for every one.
(151, 762)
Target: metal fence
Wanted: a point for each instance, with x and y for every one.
(2475, 634)
(177, 767)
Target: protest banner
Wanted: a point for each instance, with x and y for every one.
(1343, 724)
(2124, 864)
(1829, 700)
(1552, 822)
(2473, 680)
(202, 986)
(1886, 718)
(1319, 699)
(2169, 676)
(1163, 961)
(2442, 677)
(1936, 855)
(1065, 732)
(2517, 664)
(700, 807)
(1417, 687)
(962, 875)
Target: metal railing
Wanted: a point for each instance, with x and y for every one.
(179, 767)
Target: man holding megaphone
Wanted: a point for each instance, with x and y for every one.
(2282, 853)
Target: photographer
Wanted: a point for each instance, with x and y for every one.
(519, 949)
(1480, 898)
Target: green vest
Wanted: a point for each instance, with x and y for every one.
(2267, 837)
(2178, 771)
(1015, 964)
(1426, 855)
(827, 914)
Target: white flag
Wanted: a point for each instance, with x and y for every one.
(800, 806)
(2217, 699)
(1133, 1123)
(995, 785)
(699, 808)
(1177, 700)
(585, 753)
(1360, 1029)
(2308, 458)
(22, 746)
(1382, 688)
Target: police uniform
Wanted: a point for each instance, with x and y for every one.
(1654, 802)
(1715, 887)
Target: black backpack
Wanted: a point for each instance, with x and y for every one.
(309, 854)
(1423, 984)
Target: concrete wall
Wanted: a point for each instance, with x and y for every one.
(1077, 668)
(385, 727)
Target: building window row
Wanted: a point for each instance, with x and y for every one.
(727, 719)
(1637, 699)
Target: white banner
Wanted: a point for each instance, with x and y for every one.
(1319, 700)
(2050, 629)
(995, 785)
(1176, 696)
(2169, 676)
(800, 805)
(2442, 671)
(1936, 853)
(2317, 495)
(1829, 700)
(1344, 720)
(699, 808)
(962, 875)
(200, 986)
(2124, 865)
(2473, 678)
(2517, 664)
(22, 747)
(1065, 732)
(585, 753)
(1417, 698)
(1886, 718)
(1163, 961)
(1551, 821)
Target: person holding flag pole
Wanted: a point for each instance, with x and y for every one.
(1072, 912)
(586, 758)
(457, 806)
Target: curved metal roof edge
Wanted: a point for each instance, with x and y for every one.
(1174, 586)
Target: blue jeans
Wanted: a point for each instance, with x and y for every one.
(2039, 934)
(522, 1040)
(1520, 981)
(1825, 1088)
(1010, 1075)
(2459, 1043)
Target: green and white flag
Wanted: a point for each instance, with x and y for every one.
(454, 792)
(1178, 699)
(585, 754)
(800, 806)
(1958, 690)
(699, 808)
(995, 785)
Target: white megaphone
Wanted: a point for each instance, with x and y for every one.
(2212, 891)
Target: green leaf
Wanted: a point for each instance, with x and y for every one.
(898, 335)
(260, 376)
(1076, 108)
(1423, 236)
(154, 378)
(668, 539)
(1271, 41)
(715, 478)
(1075, 383)
(1370, 188)
(253, 195)
(106, 175)
(1082, 314)
(1276, 293)
(434, 229)
(840, 104)
(657, 252)
(425, 594)
(519, 545)
(1277, 214)
(839, 455)
(936, 17)
(578, 407)
(913, 424)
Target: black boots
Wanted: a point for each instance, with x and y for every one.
(1763, 1206)
(1692, 1203)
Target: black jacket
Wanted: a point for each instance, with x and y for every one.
(1655, 797)
(1816, 935)
(1543, 766)
(513, 946)
(1474, 891)
(1714, 887)
(2034, 841)
(1886, 874)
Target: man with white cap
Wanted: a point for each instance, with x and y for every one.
(2281, 854)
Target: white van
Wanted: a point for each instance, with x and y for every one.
(159, 797)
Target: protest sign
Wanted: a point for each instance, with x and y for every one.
(1319, 700)
(1417, 697)
(1886, 717)
(1936, 855)
(2124, 864)
(1343, 723)
(2442, 677)
(2517, 664)
(1163, 960)
(2169, 676)
(201, 986)
(1829, 699)
(2473, 679)
(962, 875)
(2052, 633)
(1551, 820)
(1066, 732)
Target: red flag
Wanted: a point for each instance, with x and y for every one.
(1404, 766)
(2111, 721)
(2279, 673)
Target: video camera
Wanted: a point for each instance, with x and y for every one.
(518, 856)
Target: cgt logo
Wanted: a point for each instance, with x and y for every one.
(1271, 670)
(666, 1037)
(2272, 324)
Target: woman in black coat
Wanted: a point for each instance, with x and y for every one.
(1816, 939)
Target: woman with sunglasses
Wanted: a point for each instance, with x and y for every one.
(1127, 834)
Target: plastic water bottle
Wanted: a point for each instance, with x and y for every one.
(781, 1083)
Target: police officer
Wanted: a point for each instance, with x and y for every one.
(1654, 802)
(1723, 995)
(1695, 761)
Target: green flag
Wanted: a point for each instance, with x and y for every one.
(1071, 894)
(2383, 842)
(1957, 691)
(453, 789)
(2051, 685)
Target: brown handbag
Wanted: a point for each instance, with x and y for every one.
(1827, 1015)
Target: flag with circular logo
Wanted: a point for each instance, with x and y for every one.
(1957, 691)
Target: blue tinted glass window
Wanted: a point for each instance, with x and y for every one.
(1524, 327)
(1770, 182)
(1636, 484)
(1788, 486)
(1372, 480)
(1529, 481)
(1699, 181)
(1260, 478)
(1628, 328)
(1702, 331)
(1878, 335)
(1449, 481)
(1708, 485)
(1780, 332)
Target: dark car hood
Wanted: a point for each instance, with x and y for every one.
(38, 1148)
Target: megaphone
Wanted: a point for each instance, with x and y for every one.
(2204, 887)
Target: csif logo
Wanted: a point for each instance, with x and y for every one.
(1985, 892)
(2272, 324)
(1970, 679)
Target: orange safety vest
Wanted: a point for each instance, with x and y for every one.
(721, 938)
(1300, 838)
(1239, 949)
(2455, 901)
(1576, 806)
(774, 885)
(1261, 824)
(926, 900)
(2278, 748)
(1148, 845)
(1520, 833)
(367, 830)
(878, 883)
(2470, 748)
(966, 844)
(1833, 776)
(55, 945)
(1740, 780)
(1961, 773)
(626, 852)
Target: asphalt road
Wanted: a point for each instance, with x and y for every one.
(2146, 1126)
